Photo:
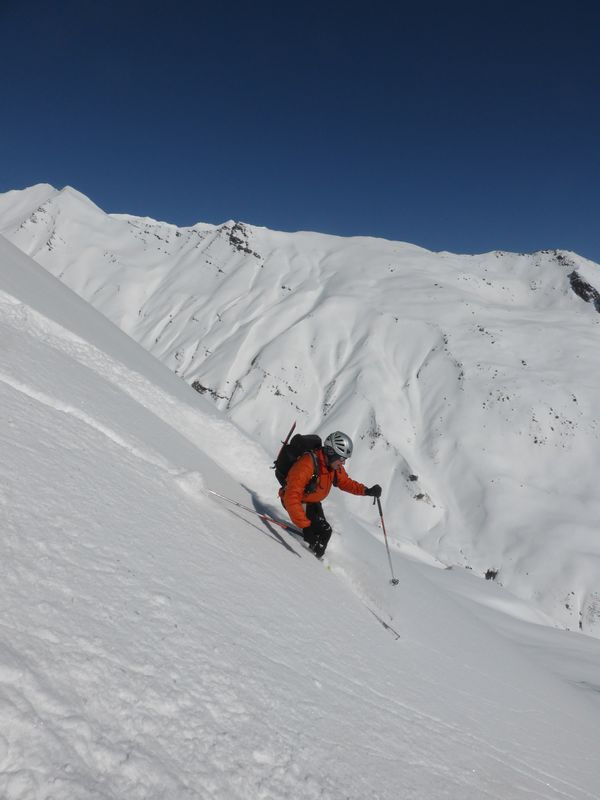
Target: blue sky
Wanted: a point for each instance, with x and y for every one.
(461, 126)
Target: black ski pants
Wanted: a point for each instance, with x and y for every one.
(314, 511)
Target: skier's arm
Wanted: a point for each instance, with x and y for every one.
(297, 479)
(346, 484)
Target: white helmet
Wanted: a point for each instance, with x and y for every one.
(338, 445)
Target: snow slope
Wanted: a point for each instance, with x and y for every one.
(156, 643)
(469, 383)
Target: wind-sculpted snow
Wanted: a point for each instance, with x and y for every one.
(468, 382)
(156, 643)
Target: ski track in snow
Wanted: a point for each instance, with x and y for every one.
(64, 408)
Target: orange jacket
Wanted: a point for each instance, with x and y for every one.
(300, 475)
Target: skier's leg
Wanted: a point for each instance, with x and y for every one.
(309, 535)
(314, 511)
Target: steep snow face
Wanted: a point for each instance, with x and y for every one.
(154, 644)
(468, 382)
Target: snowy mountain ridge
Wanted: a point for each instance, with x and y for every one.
(467, 382)
(158, 643)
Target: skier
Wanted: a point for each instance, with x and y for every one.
(304, 506)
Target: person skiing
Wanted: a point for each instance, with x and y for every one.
(303, 503)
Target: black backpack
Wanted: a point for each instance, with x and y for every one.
(291, 452)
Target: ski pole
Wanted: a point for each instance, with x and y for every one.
(394, 580)
(254, 511)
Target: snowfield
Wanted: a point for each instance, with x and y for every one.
(159, 643)
(469, 383)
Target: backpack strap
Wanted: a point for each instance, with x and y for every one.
(312, 484)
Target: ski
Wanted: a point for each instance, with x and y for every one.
(265, 517)
(296, 532)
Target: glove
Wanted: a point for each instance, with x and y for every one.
(373, 491)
